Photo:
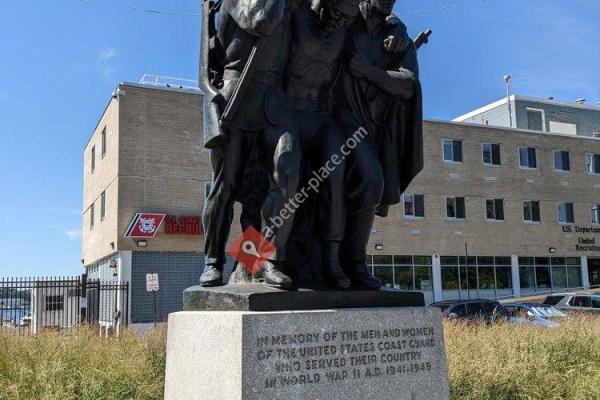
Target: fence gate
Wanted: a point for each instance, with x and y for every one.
(32, 305)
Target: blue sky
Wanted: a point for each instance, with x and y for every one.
(60, 60)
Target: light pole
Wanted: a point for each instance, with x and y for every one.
(507, 79)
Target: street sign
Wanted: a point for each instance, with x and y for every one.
(152, 282)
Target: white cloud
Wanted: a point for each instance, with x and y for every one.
(106, 58)
(107, 54)
(73, 234)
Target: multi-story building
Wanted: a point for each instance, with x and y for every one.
(496, 211)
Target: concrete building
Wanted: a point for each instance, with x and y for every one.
(497, 211)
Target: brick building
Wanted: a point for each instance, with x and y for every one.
(497, 211)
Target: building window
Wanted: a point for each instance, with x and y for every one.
(93, 160)
(490, 154)
(414, 205)
(453, 151)
(543, 273)
(92, 216)
(531, 211)
(593, 163)
(55, 303)
(102, 206)
(403, 272)
(475, 274)
(103, 142)
(535, 120)
(562, 161)
(596, 214)
(494, 209)
(565, 213)
(527, 157)
(455, 207)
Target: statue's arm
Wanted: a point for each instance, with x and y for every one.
(257, 17)
(399, 83)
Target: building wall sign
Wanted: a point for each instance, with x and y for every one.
(144, 225)
(184, 225)
(585, 243)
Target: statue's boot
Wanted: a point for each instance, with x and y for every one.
(358, 231)
(212, 276)
(273, 277)
(333, 267)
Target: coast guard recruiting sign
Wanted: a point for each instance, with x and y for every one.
(144, 225)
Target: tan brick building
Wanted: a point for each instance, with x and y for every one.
(522, 204)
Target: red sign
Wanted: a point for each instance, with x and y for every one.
(144, 225)
(186, 225)
(252, 250)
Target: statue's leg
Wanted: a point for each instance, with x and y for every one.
(282, 157)
(228, 165)
(331, 211)
(365, 178)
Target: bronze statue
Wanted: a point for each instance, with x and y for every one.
(286, 83)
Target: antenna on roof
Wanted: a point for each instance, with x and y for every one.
(507, 79)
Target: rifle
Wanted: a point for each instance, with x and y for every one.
(423, 38)
(242, 84)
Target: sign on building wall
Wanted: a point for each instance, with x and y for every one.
(144, 225)
(185, 225)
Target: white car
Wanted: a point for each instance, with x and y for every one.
(575, 302)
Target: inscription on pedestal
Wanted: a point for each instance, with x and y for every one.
(316, 358)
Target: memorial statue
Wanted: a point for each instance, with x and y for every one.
(287, 83)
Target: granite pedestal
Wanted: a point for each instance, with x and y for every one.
(314, 354)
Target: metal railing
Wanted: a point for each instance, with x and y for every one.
(169, 82)
(31, 305)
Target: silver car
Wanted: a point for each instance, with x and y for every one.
(575, 302)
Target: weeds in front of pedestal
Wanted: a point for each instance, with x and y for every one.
(508, 362)
(498, 362)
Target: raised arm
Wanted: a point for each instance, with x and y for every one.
(257, 17)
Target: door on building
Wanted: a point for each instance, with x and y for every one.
(594, 271)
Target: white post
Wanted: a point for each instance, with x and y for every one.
(585, 275)
(516, 278)
(437, 277)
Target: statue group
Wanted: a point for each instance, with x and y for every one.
(313, 120)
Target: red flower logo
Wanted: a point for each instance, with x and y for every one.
(252, 250)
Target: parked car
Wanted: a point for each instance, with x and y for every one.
(533, 314)
(470, 310)
(575, 302)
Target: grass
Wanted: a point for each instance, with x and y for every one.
(495, 362)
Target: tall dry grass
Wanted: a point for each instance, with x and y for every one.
(508, 362)
(82, 366)
(498, 362)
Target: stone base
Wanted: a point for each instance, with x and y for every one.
(258, 297)
(349, 354)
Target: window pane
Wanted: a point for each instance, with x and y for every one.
(448, 260)
(503, 278)
(450, 278)
(542, 261)
(382, 260)
(486, 278)
(409, 208)
(423, 280)
(423, 260)
(460, 207)
(468, 277)
(404, 278)
(596, 214)
(574, 277)
(523, 157)
(526, 260)
(447, 150)
(385, 274)
(558, 160)
(570, 213)
(542, 275)
(457, 149)
(499, 208)
(566, 161)
(535, 211)
(403, 260)
(450, 207)
(496, 154)
(527, 277)
(532, 158)
(419, 203)
(503, 261)
(527, 211)
(486, 148)
(489, 209)
(559, 277)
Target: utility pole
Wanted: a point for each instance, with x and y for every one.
(507, 79)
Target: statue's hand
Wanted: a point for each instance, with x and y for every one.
(360, 66)
(395, 45)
